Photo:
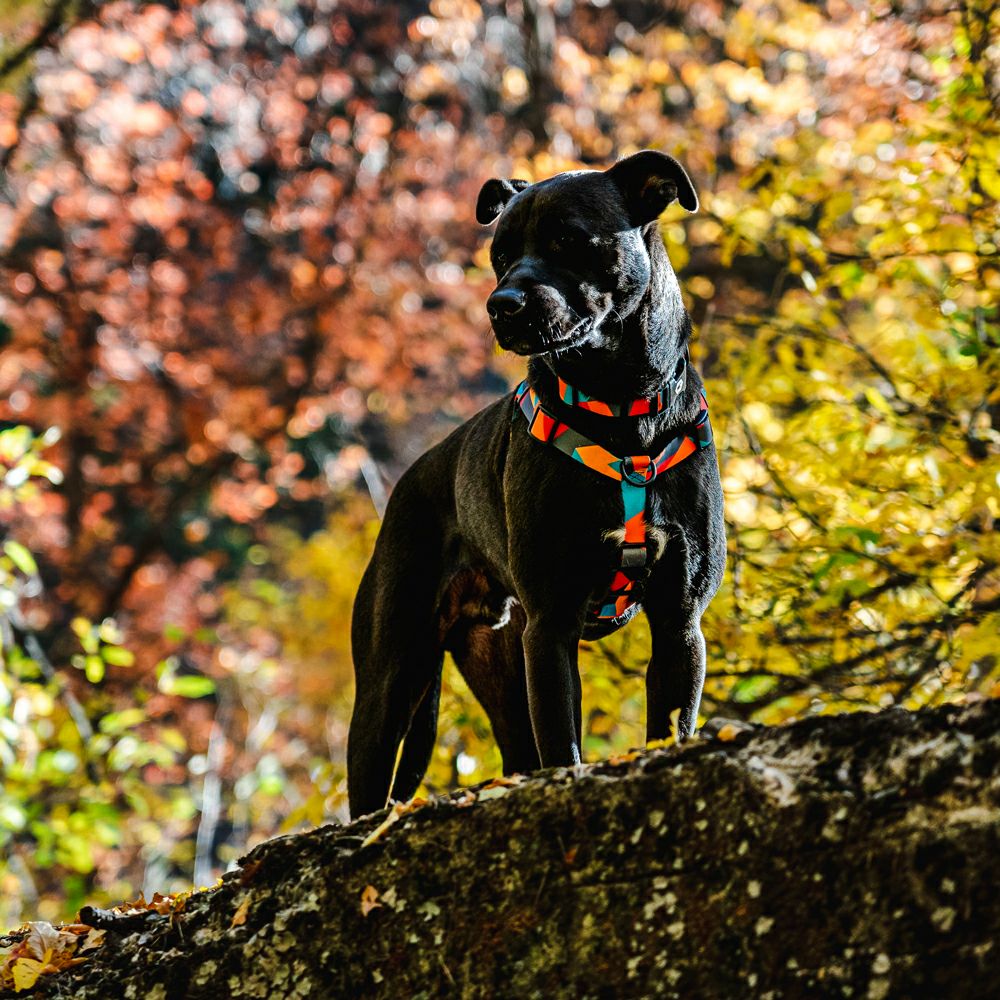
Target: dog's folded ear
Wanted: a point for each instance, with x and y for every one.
(649, 181)
(493, 197)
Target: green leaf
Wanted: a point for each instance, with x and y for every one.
(118, 722)
(117, 656)
(94, 668)
(192, 686)
(21, 558)
(753, 688)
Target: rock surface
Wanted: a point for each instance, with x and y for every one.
(843, 856)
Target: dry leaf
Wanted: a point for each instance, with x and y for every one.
(369, 900)
(728, 733)
(399, 810)
(240, 916)
(504, 781)
(43, 949)
(43, 938)
(94, 939)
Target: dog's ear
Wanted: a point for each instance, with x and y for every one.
(493, 198)
(649, 181)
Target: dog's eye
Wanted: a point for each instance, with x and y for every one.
(568, 239)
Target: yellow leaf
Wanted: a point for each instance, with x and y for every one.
(659, 744)
(26, 972)
(989, 179)
(878, 400)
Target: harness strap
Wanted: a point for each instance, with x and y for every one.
(634, 472)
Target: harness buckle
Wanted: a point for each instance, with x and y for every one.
(637, 477)
(633, 556)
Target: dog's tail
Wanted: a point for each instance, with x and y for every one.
(418, 744)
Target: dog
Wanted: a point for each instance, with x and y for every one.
(558, 511)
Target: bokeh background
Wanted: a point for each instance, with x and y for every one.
(242, 287)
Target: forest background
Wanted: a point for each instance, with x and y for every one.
(242, 287)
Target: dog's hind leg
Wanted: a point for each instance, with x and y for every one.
(491, 659)
(418, 744)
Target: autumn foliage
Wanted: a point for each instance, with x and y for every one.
(242, 284)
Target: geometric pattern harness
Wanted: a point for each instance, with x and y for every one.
(634, 472)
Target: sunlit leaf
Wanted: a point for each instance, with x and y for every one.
(21, 557)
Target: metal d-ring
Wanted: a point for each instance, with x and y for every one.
(634, 476)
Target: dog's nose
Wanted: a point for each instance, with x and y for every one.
(505, 302)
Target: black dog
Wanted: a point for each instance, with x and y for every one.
(504, 552)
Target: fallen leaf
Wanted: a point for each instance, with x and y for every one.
(369, 900)
(42, 938)
(728, 733)
(26, 972)
(399, 810)
(505, 781)
(492, 792)
(240, 916)
(94, 939)
(42, 949)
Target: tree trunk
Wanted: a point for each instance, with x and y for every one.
(844, 856)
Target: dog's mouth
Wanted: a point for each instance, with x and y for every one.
(529, 342)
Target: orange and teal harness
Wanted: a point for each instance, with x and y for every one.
(634, 472)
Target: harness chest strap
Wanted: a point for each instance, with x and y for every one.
(634, 472)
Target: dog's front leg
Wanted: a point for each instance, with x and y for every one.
(550, 655)
(676, 674)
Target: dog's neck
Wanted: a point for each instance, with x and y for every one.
(644, 347)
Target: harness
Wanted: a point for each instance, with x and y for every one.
(634, 472)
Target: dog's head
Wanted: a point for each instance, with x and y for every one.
(571, 252)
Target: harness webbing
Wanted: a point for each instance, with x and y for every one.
(634, 408)
(634, 472)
